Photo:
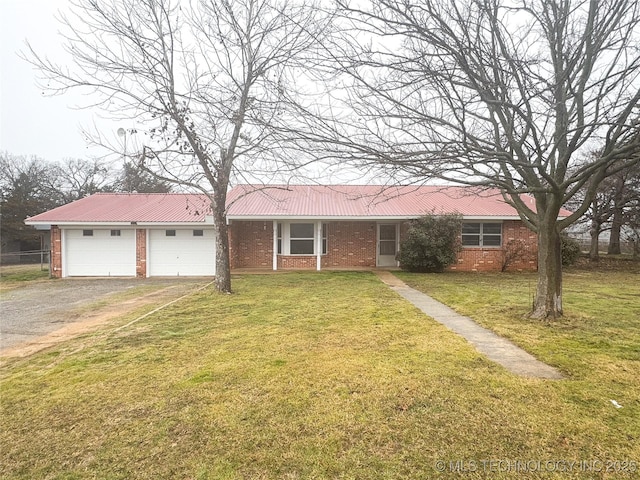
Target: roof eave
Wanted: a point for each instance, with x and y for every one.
(42, 225)
(358, 218)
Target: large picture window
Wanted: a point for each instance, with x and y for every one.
(300, 239)
(481, 234)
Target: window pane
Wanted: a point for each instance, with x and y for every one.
(491, 240)
(170, 233)
(470, 228)
(324, 238)
(115, 233)
(301, 247)
(301, 230)
(492, 228)
(198, 233)
(87, 233)
(471, 240)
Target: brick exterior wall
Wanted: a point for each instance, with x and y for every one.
(519, 251)
(141, 253)
(515, 232)
(56, 252)
(350, 244)
(251, 244)
(353, 244)
(297, 262)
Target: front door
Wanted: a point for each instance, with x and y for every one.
(387, 245)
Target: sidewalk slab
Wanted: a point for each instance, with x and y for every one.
(494, 347)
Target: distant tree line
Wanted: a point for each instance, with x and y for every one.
(615, 208)
(31, 185)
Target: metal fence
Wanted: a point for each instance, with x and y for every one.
(603, 246)
(29, 257)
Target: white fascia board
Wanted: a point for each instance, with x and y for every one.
(78, 224)
(359, 219)
(47, 225)
(298, 218)
(485, 218)
(173, 224)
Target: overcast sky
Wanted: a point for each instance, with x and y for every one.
(32, 123)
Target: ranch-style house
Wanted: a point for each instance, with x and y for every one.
(276, 227)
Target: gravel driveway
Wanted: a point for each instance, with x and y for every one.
(37, 309)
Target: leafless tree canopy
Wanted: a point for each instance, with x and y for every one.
(494, 92)
(206, 81)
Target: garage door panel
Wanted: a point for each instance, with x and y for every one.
(101, 254)
(182, 254)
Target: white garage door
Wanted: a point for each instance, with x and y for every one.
(182, 252)
(100, 253)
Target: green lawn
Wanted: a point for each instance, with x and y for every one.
(12, 276)
(332, 375)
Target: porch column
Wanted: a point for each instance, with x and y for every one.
(275, 245)
(319, 245)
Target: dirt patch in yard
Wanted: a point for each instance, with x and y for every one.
(92, 318)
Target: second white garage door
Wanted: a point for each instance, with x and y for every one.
(181, 252)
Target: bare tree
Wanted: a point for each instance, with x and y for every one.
(28, 186)
(624, 190)
(493, 93)
(77, 178)
(633, 221)
(133, 178)
(205, 81)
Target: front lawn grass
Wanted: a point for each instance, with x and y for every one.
(328, 375)
(12, 276)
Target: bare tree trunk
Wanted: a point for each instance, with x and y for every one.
(223, 263)
(617, 221)
(548, 300)
(616, 225)
(594, 248)
(223, 268)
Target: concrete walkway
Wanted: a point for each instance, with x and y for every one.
(496, 348)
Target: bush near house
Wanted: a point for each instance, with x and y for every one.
(432, 243)
(570, 251)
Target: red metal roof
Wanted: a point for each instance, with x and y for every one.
(247, 201)
(130, 207)
(259, 201)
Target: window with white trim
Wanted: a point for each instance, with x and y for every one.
(198, 233)
(300, 239)
(115, 233)
(279, 238)
(324, 238)
(169, 233)
(479, 234)
(87, 233)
